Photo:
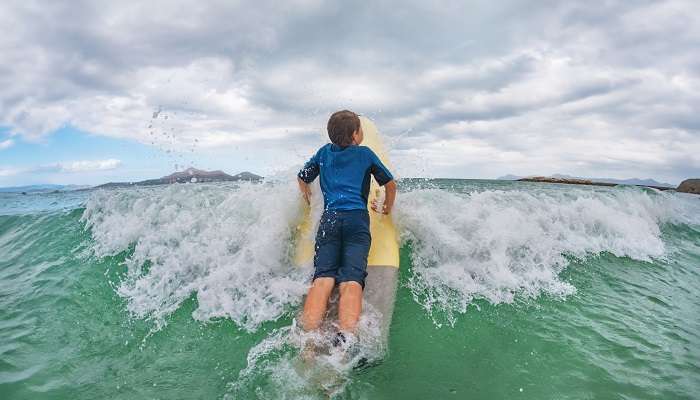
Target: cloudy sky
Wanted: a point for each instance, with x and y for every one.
(99, 91)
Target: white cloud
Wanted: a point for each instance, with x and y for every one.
(88, 166)
(6, 144)
(9, 171)
(613, 88)
(64, 167)
(79, 166)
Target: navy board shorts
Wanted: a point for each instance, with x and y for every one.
(342, 246)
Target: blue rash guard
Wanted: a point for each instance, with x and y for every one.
(345, 175)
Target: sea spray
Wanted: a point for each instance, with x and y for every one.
(228, 245)
(291, 363)
(231, 245)
(497, 245)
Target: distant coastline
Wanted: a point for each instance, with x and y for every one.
(193, 175)
(560, 178)
(575, 181)
(190, 175)
(687, 186)
(43, 188)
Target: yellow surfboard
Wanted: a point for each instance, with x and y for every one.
(384, 250)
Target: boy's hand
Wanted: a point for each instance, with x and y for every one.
(375, 207)
(390, 196)
(305, 190)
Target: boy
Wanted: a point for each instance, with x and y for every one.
(343, 238)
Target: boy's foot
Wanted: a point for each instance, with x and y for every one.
(349, 345)
(339, 339)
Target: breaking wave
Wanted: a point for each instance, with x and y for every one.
(230, 246)
(500, 245)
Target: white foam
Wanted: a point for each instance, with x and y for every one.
(229, 245)
(276, 367)
(501, 245)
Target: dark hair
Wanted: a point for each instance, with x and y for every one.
(341, 126)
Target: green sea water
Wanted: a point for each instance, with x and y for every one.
(507, 290)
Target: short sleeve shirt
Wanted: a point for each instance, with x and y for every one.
(345, 175)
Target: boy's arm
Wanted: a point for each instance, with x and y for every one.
(384, 178)
(389, 198)
(307, 175)
(305, 190)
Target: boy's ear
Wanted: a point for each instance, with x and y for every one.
(357, 136)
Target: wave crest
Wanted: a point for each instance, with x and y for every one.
(498, 245)
(228, 245)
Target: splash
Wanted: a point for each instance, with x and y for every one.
(227, 245)
(293, 364)
(230, 246)
(502, 245)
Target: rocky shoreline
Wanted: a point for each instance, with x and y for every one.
(573, 181)
(689, 186)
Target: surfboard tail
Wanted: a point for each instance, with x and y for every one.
(380, 292)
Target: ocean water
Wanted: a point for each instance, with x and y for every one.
(508, 290)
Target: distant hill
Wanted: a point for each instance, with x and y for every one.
(632, 181)
(42, 188)
(190, 175)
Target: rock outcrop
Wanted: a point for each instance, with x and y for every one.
(572, 181)
(579, 181)
(689, 186)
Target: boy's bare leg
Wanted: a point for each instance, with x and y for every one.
(316, 303)
(349, 306)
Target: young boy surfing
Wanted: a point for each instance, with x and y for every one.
(343, 238)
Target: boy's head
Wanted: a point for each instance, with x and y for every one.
(344, 128)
